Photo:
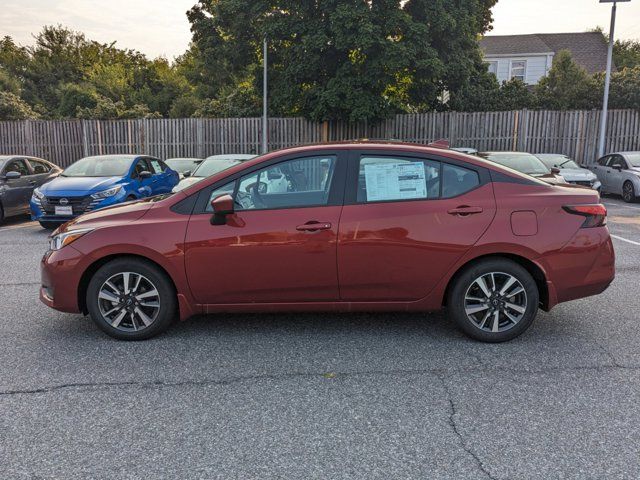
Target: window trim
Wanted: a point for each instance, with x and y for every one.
(336, 192)
(524, 73)
(351, 187)
(492, 62)
(37, 160)
(18, 159)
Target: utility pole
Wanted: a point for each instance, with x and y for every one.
(607, 78)
(265, 123)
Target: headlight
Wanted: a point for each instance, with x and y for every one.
(38, 194)
(60, 240)
(107, 193)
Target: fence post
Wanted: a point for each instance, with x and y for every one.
(522, 131)
(200, 137)
(28, 133)
(85, 139)
(325, 131)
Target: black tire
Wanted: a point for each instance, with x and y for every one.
(628, 192)
(502, 269)
(131, 198)
(49, 225)
(1, 215)
(126, 330)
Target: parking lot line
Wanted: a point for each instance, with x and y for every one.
(625, 240)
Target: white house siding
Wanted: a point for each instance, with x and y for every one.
(537, 66)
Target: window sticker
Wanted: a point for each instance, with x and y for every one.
(395, 181)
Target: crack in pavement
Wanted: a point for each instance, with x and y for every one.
(454, 426)
(438, 372)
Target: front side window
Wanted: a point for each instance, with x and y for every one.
(458, 180)
(519, 69)
(39, 167)
(295, 183)
(17, 166)
(225, 189)
(618, 161)
(141, 166)
(387, 178)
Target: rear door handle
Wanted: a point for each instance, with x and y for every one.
(313, 226)
(465, 210)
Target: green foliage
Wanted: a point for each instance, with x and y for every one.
(567, 86)
(233, 101)
(626, 53)
(341, 59)
(624, 91)
(13, 107)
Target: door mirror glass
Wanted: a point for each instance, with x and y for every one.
(144, 174)
(12, 175)
(222, 206)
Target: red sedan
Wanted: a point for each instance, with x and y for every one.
(337, 227)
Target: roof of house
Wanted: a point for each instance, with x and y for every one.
(589, 49)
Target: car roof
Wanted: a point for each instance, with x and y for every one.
(630, 152)
(114, 156)
(505, 153)
(183, 158)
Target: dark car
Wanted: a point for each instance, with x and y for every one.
(525, 163)
(19, 176)
(359, 227)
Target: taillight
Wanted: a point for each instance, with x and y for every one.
(595, 215)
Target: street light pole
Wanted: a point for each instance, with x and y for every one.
(607, 82)
(265, 123)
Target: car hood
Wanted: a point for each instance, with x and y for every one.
(78, 185)
(116, 215)
(577, 174)
(187, 182)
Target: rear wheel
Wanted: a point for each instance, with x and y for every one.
(628, 192)
(1, 215)
(131, 299)
(493, 300)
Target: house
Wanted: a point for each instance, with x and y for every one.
(529, 57)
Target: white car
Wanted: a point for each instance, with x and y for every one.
(620, 174)
(570, 170)
(211, 166)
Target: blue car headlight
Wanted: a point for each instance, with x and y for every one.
(38, 194)
(107, 193)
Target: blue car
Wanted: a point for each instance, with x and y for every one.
(96, 182)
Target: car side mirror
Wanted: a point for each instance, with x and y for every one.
(617, 167)
(12, 175)
(222, 206)
(187, 174)
(555, 170)
(144, 174)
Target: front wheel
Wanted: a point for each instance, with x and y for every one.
(628, 192)
(49, 225)
(494, 300)
(131, 299)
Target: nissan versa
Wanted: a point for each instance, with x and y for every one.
(96, 182)
(359, 227)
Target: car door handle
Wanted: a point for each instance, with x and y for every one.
(465, 210)
(313, 226)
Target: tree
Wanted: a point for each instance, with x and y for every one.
(341, 59)
(626, 53)
(12, 107)
(567, 86)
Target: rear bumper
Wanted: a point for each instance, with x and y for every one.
(583, 267)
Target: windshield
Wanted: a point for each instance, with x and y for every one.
(183, 164)
(99, 167)
(633, 158)
(213, 166)
(558, 161)
(522, 162)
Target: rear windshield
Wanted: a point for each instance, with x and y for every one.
(522, 162)
(99, 167)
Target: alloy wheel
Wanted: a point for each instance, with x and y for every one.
(128, 301)
(495, 302)
(627, 192)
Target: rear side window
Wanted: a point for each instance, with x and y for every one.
(155, 164)
(458, 180)
(603, 161)
(397, 178)
(39, 167)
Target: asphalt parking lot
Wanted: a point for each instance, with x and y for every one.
(322, 395)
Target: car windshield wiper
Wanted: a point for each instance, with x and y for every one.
(566, 161)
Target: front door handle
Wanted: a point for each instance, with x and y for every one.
(313, 226)
(465, 210)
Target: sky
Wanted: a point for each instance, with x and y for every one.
(160, 27)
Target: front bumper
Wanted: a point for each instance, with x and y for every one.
(44, 211)
(60, 279)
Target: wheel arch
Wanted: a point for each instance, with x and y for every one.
(96, 265)
(534, 270)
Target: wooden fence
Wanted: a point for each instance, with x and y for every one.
(574, 133)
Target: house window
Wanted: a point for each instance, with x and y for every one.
(492, 67)
(519, 69)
